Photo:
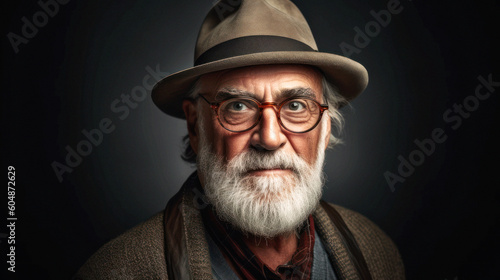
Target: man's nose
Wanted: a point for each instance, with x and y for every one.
(268, 135)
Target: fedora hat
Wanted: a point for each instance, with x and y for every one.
(256, 32)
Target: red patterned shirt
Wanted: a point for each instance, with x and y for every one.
(249, 266)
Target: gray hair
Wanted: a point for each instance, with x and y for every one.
(330, 94)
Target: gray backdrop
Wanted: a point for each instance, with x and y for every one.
(86, 64)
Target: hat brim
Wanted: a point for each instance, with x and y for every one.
(349, 76)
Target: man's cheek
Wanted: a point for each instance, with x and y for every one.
(232, 145)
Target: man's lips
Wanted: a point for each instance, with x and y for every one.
(269, 171)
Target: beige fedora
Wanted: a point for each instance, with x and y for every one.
(256, 32)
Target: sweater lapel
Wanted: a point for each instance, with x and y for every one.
(340, 244)
(186, 249)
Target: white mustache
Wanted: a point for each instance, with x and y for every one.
(254, 160)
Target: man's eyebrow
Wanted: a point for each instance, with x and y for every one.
(229, 92)
(297, 92)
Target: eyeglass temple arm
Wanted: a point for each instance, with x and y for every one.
(213, 105)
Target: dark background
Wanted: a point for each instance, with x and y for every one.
(444, 217)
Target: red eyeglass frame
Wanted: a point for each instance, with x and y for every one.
(262, 105)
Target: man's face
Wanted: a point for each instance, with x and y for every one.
(266, 180)
(267, 84)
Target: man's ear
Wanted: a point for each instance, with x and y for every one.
(189, 108)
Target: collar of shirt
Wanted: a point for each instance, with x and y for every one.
(246, 264)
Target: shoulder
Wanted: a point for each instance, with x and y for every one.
(139, 252)
(380, 252)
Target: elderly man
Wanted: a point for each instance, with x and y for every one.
(259, 105)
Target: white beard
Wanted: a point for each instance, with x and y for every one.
(265, 206)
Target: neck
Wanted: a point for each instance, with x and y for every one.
(274, 251)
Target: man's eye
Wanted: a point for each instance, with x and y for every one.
(237, 106)
(296, 106)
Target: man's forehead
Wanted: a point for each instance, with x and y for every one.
(262, 77)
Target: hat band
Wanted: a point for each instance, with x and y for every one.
(250, 45)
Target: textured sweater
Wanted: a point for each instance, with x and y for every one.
(174, 244)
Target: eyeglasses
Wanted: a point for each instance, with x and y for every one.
(239, 114)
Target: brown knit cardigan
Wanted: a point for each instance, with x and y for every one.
(173, 243)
